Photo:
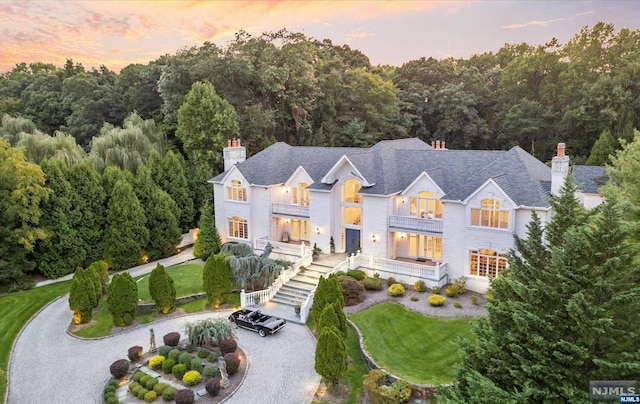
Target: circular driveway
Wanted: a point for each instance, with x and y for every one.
(49, 366)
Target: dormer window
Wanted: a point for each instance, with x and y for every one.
(236, 192)
(490, 215)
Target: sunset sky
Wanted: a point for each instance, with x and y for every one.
(117, 33)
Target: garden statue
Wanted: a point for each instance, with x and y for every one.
(152, 341)
(224, 376)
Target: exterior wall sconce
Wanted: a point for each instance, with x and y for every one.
(317, 230)
(374, 238)
(402, 235)
(403, 199)
(285, 190)
(286, 220)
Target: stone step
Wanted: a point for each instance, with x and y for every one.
(294, 290)
(285, 300)
(288, 294)
(303, 279)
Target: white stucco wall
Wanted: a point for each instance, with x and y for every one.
(375, 213)
(320, 217)
(260, 213)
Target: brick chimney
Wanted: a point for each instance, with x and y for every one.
(559, 169)
(234, 153)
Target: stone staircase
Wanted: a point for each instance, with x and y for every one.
(301, 285)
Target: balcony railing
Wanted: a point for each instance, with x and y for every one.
(289, 210)
(415, 223)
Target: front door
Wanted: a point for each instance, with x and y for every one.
(352, 240)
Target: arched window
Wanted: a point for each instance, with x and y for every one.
(238, 227)
(301, 194)
(236, 192)
(490, 215)
(486, 262)
(426, 206)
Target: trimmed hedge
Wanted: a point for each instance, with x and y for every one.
(134, 353)
(174, 354)
(184, 396)
(191, 378)
(119, 368)
(228, 345)
(156, 361)
(169, 393)
(167, 366)
(357, 274)
(179, 370)
(436, 300)
(352, 290)
(171, 339)
(372, 284)
(213, 386)
(209, 372)
(232, 361)
(397, 289)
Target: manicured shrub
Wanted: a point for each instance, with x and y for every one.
(162, 289)
(178, 371)
(167, 366)
(372, 284)
(232, 361)
(191, 378)
(142, 392)
(164, 350)
(337, 273)
(217, 279)
(436, 300)
(396, 290)
(184, 396)
(357, 274)
(119, 368)
(228, 345)
(109, 389)
(122, 299)
(213, 386)
(390, 281)
(150, 396)
(209, 372)
(327, 291)
(144, 379)
(188, 348)
(114, 383)
(156, 361)
(109, 394)
(134, 353)
(474, 300)
(151, 383)
(420, 286)
(451, 291)
(134, 387)
(112, 400)
(160, 388)
(136, 376)
(460, 285)
(203, 353)
(81, 297)
(211, 358)
(414, 298)
(377, 392)
(168, 394)
(436, 290)
(352, 290)
(185, 359)
(171, 339)
(196, 364)
(457, 305)
(174, 354)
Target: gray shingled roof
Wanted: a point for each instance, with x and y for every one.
(589, 178)
(391, 166)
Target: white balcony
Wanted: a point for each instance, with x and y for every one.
(289, 210)
(410, 223)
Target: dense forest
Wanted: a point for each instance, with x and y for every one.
(99, 147)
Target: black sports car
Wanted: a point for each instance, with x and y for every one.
(254, 320)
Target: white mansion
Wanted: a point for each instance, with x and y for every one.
(402, 200)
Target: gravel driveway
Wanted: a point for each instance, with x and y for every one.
(49, 366)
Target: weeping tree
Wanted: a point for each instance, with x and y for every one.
(39, 146)
(252, 271)
(11, 127)
(208, 330)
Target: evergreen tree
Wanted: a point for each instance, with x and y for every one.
(92, 277)
(126, 233)
(328, 318)
(164, 229)
(122, 299)
(208, 241)
(567, 212)
(217, 279)
(328, 291)
(552, 328)
(604, 147)
(331, 357)
(162, 289)
(625, 174)
(173, 181)
(80, 299)
(102, 269)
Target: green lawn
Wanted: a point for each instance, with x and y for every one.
(417, 348)
(15, 310)
(187, 278)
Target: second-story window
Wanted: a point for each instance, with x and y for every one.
(301, 194)
(236, 192)
(426, 206)
(490, 215)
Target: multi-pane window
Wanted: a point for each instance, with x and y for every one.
(487, 262)
(426, 247)
(236, 192)
(349, 192)
(490, 215)
(238, 227)
(425, 206)
(301, 229)
(301, 195)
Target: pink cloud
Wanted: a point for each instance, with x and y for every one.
(535, 23)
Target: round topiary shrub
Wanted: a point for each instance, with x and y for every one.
(420, 286)
(160, 388)
(144, 379)
(133, 385)
(112, 400)
(357, 274)
(174, 354)
(436, 300)
(164, 350)
(188, 348)
(171, 339)
(185, 359)
(150, 384)
(213, 386)
(228, 345)
(110, 388)
(136, 376)
(209, 372)
(156, 361)
(352, 290)
(184, 396)
(397, 289)
(451, 291)
(196, 364)
(114, 383)
(211, 358)
(191, 378)
(178, 371)
(233, 362)
(457, 305)
(134, 353)
(436, 290)
(168, 394)
(109, 394)
(142, 392)
(372, 284)
(167, 366)
(119, 368)
(390, 281)
(150, 396)
(203, 354)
